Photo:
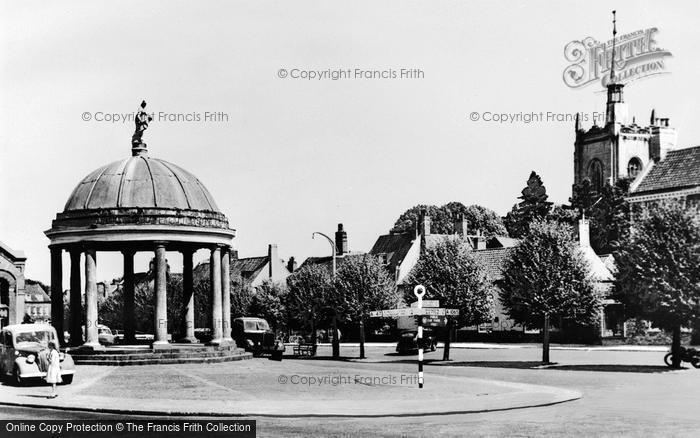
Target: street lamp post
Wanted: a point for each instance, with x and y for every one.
(336, 341)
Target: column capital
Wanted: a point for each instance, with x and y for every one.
(160, 243)
(128, 252)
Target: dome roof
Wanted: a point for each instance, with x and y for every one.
(141, 182)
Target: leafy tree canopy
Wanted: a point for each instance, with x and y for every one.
(450, 274)
(442, 219)
(547, 274)
(310, 294)
(268, 302)
(658, 276)
(533, 206)
(608, 212)
(363, 284)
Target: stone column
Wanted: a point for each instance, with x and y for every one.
(160, 338)
(76, 300)
(215, 284)
(91, 339)
(187, 330)
(57, 292)
(129, 304)
(226, 295)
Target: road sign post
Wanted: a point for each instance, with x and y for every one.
(419, 291)
(428, 312)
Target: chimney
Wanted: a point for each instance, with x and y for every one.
(341, 241)
(460, 225)
(291, 264)
(423, 229)
(583, 233)
(274, 262)
(424, 224)
(479, 240)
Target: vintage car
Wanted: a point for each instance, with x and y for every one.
(254, 335)
(408, 342)
(104, 335)
(24, 353)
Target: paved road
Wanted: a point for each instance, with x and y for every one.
(625, 394)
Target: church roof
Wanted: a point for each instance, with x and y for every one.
(680, 169)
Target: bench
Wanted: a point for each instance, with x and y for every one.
(304, 349)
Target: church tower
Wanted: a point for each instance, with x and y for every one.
(620, 149)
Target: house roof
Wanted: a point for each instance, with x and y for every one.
(598, 266)
(680, 169)
(493, 261)
(14, 254)
(249, 267)
(35, 293)
(327, 261)
(501, 242)
(395, 246)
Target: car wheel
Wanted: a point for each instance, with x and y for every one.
(668, 359)
(68, 379)
(17, 378)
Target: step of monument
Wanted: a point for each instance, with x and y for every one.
(167, 360)
(153, 355)
(112, 351)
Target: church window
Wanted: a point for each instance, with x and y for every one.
(634, 167)
(595, 174)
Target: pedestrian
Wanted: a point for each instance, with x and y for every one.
(53, 372)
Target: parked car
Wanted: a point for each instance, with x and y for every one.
(24, 353)
(118, 336)
(254, 335)
(296, 339)
(141, 336)
(408, 342)
(104, 335)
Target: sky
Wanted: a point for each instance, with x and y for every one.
(296, 155)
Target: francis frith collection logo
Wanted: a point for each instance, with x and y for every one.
(637, 55)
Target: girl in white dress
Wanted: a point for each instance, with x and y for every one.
(53, 373)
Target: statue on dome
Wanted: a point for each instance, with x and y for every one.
(142, 119)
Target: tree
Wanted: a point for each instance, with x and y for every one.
(608, 212)
(442, 218)
(658, 277)
(451, 275)
(547, 279)
(564, 214)
(534, 206)
(267, 302)
(310, 291)
(363, 284)
(111, 308)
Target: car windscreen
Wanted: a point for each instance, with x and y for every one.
(255, 325)
(104, 331)
(34, 337)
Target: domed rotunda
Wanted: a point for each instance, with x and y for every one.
(137, 204)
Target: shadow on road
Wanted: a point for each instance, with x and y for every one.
(613, 368)
(491, 364)
(609, 368)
